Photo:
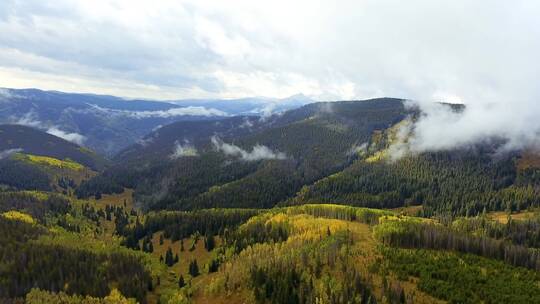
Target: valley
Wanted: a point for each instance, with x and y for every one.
(308, 206)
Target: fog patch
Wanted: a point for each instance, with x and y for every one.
(514, 126)
(69, 136)
(145, 141)
(358, 149)
(258, 152)
(5, 94)
(186, 111)
(30, 119)
(247, 124)
(183, 150)
(7, 153)
(326, 108)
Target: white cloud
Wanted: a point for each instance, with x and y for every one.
(247, 123)
(69, 136)
(30, 119)
(183, 150)
(483, 53)
(8, 152)
(259, 152)
(192, 110)
(439, 127)
(358, 149)
(337, 50)
(5, 94)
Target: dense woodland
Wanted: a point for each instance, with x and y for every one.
(410, 234)
(318, 140)
(464, 182)
(27, 264)
(19, 175)
(315, 226)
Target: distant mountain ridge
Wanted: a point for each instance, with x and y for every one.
(245, 161)
(107, 124)
(17, 138)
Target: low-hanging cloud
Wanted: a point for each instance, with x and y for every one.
(191, 111)
(30, 119)
(173, 112)
(183, 150)
(9, 152)
(69, 136)
(5, 94)
(513, 126)
(259, 152)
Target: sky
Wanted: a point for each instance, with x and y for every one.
(457, 51)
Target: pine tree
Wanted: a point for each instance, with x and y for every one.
(209, 243)
(193, 268)
(181, 282)
(213, 266)
(169, 257)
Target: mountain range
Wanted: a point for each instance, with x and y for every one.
(327, 200)
(107, 124)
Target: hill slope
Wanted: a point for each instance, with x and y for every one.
(108, 124)
(34, 160)
(247, 162)
(33, 141)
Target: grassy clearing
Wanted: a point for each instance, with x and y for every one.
(19, 216)
(502, 216)
(124, 199)
(49, 161)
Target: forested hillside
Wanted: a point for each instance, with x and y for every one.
(17, 138)
(105, 251)
(465, 181)
(325, 152)
(245, 162)
(311, 206)
(34, 160)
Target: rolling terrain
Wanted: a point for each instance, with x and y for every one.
(31, 159)
(108, 124)
(308, 206)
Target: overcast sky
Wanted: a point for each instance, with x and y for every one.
(457, 50)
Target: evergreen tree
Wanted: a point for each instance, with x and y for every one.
(181, 282)
(209, 243)
(193, 268)
(169, 260)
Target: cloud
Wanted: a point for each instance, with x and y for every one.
(358, 149)
(439, 127)
(247, 123)
(192, 110)
(183, 150)
(183, 111)
(72, 137)
(259, 152)
(5, 94)
(9, 152)
(30, 119)
(345, 50)
(483, 53)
